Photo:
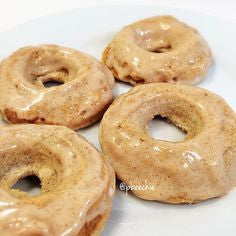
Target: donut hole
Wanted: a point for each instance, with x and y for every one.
(162, 128)
(46, 70)
(52, 83)
(52, 79)
(175, 79)
(29, 172)
(170, 118)
(30, 184)
(152, 41)
(161, 49)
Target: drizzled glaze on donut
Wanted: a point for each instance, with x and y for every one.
(77, 184)
(158, 49)
(84, 94)
(202, 166)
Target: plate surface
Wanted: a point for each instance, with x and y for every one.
(90, 29)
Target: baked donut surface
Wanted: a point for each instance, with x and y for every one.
(202, 166)
(81, 99)
(158, 49)
(77, 184)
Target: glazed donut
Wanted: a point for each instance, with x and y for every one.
(158, 49)
(202, 166)
(77, 183)
(84, 95)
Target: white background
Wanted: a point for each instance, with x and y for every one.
(14, 12)
(132, 216)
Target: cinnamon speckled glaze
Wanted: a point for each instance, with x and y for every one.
(202, 166)
(85, 94)
(158, 49)
(77, 183)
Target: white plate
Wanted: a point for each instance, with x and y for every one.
(90, 29)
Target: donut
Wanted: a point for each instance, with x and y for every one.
(84, 94)
(77, 184)
(158, 49)
(200, 167)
